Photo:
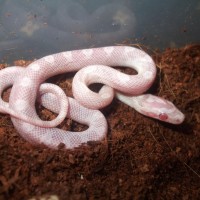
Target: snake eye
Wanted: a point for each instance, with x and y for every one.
(163, 116)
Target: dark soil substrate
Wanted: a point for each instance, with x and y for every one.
(142, 158)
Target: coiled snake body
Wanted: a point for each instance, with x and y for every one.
(93, 66)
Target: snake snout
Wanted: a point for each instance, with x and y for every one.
(179, 118)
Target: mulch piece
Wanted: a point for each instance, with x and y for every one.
(141, 159)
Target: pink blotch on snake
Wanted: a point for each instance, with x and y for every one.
(93, 66)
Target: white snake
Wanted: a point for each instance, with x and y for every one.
(93, 66)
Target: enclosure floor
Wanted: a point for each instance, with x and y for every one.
(141, 159)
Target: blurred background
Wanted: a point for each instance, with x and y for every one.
(31, 29)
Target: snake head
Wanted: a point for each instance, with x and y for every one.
(159, 108)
